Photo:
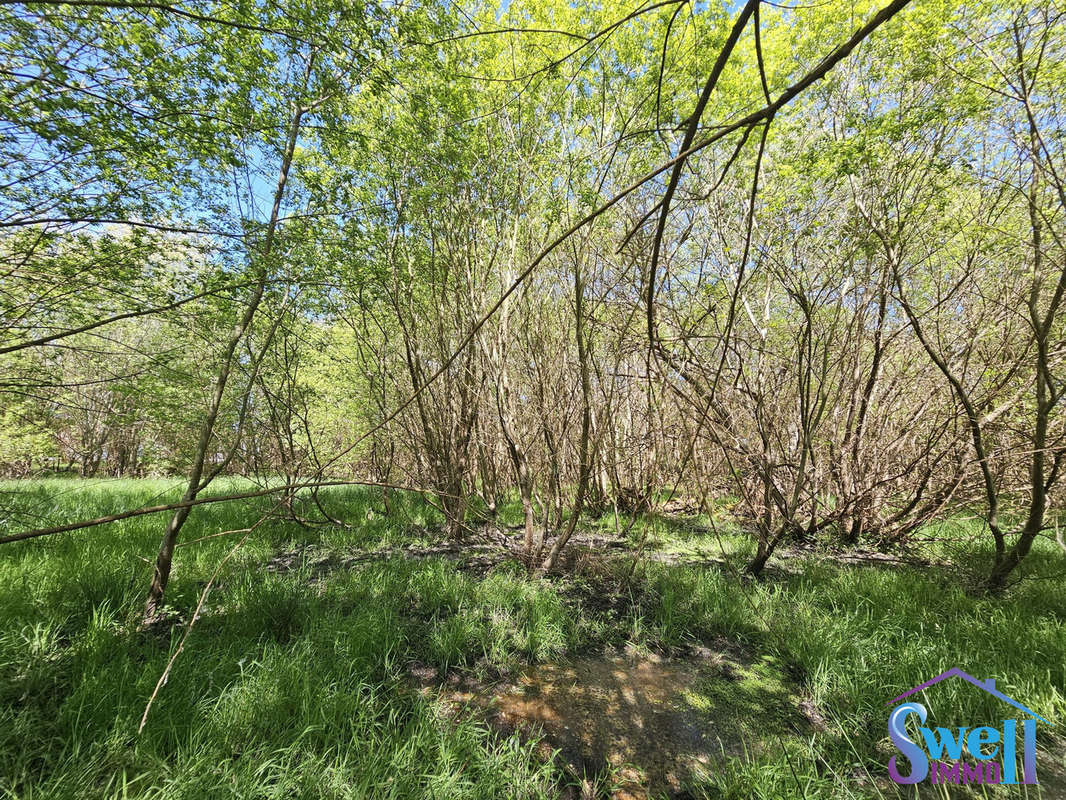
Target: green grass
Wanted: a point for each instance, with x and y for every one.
(295, 684)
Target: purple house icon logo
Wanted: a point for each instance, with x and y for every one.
(939, 755)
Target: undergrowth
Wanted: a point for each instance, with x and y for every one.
(295, 683)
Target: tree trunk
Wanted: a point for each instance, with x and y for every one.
(165, 558)
(586, 424)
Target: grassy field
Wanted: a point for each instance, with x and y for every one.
(295, 682)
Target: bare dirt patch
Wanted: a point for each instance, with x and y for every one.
(627, 725)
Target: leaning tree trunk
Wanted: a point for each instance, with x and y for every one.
(1047, 397)
(196, 483)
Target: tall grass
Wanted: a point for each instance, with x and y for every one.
(294, 684)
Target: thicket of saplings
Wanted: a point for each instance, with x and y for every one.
(837, 316)
(774, 278)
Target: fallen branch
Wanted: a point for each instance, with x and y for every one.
(195, 616)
